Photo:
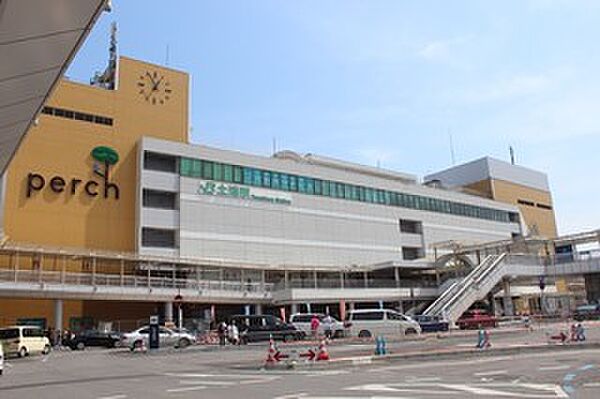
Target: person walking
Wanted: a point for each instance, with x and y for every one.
(328, 326)
(314, 326)
(222, 332)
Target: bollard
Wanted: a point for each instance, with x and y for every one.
(271, 353)
(380, 345)
(323, 353)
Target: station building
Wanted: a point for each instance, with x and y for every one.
(110, 174)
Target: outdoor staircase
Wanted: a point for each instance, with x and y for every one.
(460, 295)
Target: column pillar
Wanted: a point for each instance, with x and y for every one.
(350, 306)
(58, 314)
(294, 308)
(397, 277)
(247, 310)
(400, 307)
(168, 312)
(507, 300)
(258, 308)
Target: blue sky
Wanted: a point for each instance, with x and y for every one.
(386, 81)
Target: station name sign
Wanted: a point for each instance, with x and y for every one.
(242, 193)
(104, 158)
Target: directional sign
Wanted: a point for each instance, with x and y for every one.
(278, 356)
(310, 354)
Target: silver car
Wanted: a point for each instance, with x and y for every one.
(167, 337)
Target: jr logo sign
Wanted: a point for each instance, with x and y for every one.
(104, 158)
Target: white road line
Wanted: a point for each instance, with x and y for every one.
(422, 379)
(592, 384)
(488, 373)
(214, 383)
(177, 390)
(113, 397)
(550, 368)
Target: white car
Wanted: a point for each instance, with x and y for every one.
(302, 322)
(24, 340)
(1, 359)
(367, 323)
(167, 337)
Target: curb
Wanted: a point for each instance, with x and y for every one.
(386, 359)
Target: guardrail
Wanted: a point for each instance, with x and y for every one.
(116, 280)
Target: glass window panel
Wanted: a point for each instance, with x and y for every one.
(301, 185)
(387, 197)
(354, 193)
(369, 194)
(247, 176)
(340, 190)
(218, 171)
(293, 183)
(285, 182)
(347, 191)
(185, 167)
(207, 170)
(332, 189)
(318, 187)
(326, 188)
(310, 186)
(228, 173)
(237, 174)
(275, 181)
(266, 178)
(196, 168)
(256, 177)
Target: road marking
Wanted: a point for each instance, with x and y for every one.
(488, 373)
(113, 397)
(187, 389)
(217, 383)
(422, 379)
(592, 384)
(541, 391)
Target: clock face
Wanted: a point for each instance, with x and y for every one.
(154, 88)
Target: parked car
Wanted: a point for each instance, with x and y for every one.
(302, 322)
(373, 322)
(24, 341)
(254, 328)
(93, 338)
(167, 337)
(431, 323)
(587, 312)
(475, 319)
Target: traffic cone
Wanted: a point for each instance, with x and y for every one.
(270, 360)
(323, 353)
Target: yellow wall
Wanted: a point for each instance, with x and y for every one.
(13, 309)
(535, 217)
(61, 147)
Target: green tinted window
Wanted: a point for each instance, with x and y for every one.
(285, 182)
(275, 181)
(185, 166)
(318, 187)
(207, 170)
(293, 183)
(266, 179)
(247, 176)
(301, 185)
(228, 173)
(256, 177)
(237, 174)
(326, 191)
(218, 171)
(310, 186)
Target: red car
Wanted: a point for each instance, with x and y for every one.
(476, 318)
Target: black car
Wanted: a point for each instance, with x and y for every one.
(92, 338)
(255, 328)
(431, 324)
(587, 312)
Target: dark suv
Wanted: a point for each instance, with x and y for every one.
(254, 328)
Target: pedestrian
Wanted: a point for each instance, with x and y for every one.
(314, 326)
(328, 326)
(234, 334)
(580, 332)
(222, 332)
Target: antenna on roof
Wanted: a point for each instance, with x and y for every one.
(274, 145)
(452, 156)
(512, 154)
(107, 78)
(167, 56)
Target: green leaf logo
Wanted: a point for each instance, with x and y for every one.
(105, 155)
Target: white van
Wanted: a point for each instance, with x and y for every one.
(24, 340)
(368, 323)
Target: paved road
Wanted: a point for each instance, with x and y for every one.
(232, 373)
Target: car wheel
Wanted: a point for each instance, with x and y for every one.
(23, 352)
(364, 334)
(183, 343)
(410, 331)
(46, 350)
(80, 346)
(137, 345)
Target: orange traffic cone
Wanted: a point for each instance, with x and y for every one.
(323, 353)
(270, 360)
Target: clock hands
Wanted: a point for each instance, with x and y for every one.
(155, 86)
